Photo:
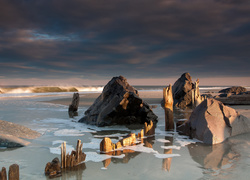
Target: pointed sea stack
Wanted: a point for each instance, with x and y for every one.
(119, 103)
(182, 91)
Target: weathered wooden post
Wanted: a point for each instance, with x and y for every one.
(149, 129)
(197, 97)
(14, 172)
(63, 155)
(73, 107)
(168, 107)
(3, 174)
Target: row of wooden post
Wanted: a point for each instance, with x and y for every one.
(106, 144)
(76, 157)
(13, 173)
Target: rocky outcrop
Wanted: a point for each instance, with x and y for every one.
(73, 107)
(212, 122)
(234, 89)
(182, 91)
(230, 99)
(11, 134)
(119, 103)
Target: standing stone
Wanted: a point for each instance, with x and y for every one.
(119, 103)
(182, 91)
(73, 107)
(14, 172)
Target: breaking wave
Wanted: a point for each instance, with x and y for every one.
(47, 89)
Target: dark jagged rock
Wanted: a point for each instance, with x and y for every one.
(119, 103)
(182, 91)
(234, 89)
(73, 107)
(212, 122)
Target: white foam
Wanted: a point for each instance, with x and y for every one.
(139, 148)
(166, 155)
(68, 132)
(58, 142)
(103, 168)
(95, 157)
(94, 144)
(111, 135)
(57, 150)
(184, 142)
(171, 147)
(163, 140)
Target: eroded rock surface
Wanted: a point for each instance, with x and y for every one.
(212, 122)
(119, 103)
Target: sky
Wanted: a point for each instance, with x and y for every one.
(150, 42)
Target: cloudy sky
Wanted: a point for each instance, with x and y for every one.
(147, 41)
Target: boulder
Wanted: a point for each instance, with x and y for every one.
(212, 122)
(119, 103)
(11, 134)
(182, 91)
(234, 89)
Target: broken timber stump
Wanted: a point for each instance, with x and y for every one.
(73, 107)
(75, 158)
(149, 129)
(128, 141)
(3, 174)
(168, 107)
(196, 97)
(14, 172)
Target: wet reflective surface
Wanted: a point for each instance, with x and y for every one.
(163, 155)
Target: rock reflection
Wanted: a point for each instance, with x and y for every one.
(72, 172)
(213, 157)
(166, 163)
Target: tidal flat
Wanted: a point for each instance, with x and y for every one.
(167, 154)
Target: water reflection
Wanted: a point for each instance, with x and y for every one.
(166, 163)
(213, 157)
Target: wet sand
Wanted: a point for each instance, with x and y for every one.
(151, 97)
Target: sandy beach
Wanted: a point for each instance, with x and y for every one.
(151, 97)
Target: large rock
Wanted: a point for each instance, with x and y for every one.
(182, 91)
(234, 89)
(119, 103)
(212, 122)
(11, 134)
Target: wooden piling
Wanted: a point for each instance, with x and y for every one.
(168, 107)
(14, 172)
(3, 174)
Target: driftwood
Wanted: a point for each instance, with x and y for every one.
(168, 108)
(73, 107)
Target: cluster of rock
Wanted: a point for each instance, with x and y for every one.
(11, 135)
(212, 122)
(13, 173)
(235, 95)
(54, 169)
(234, 90)
(107, 146)
(186, 93)
(119, 103)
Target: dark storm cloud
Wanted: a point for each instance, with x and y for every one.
(142, 38)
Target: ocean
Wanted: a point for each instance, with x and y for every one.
(167, 155)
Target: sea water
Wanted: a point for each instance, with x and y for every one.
(166, 155)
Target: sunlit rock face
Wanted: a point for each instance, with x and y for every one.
(119, 103)
(212, 122)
